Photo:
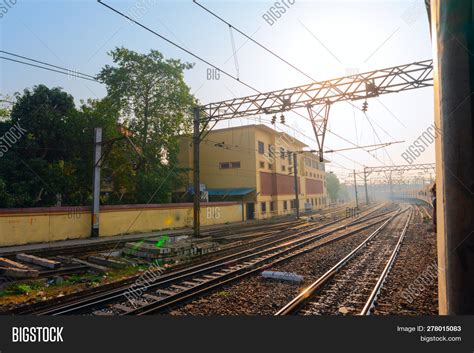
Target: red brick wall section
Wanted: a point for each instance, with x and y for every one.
(277, 184)
(267, 184)
(314, 187)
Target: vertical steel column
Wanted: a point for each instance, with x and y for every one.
(196, 172)
(355, 189)
(96, 182)
(453, 41)
(297, 199)
(365, 185)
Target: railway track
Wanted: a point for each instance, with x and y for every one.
(178, 287)
(222, 234)
(108, 290)
(353, 284)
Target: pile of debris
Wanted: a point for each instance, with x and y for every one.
(170, 249)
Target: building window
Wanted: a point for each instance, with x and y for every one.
(285, 205)
(262, 164)
(282, 153)
(283, 168)
(272, 206)
(229, 165)
(261, 147)
(290, 170)
(270, 166)
(289, 158)
(271, 150)
(263, 205)
(312, 202)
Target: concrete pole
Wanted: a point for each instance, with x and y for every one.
(355, 188)
(365, 185)
(452, 31)
(96, 182)
(297, 198)
(196, 172)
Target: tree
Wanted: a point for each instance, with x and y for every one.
(148, 105)
(155, 106)
(5, 106)
(343, 193)
(333, 186)
(52, 162)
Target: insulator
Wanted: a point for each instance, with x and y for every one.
(365, 106)
(282, 119)
(274, 118)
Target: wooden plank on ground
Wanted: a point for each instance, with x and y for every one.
(10, 263)
(18, 273)
(102, 261)
(51, 264)
(94, 267)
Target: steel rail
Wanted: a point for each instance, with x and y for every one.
(301, 298)
(193, 292)
(112, 292)
(371, 301)
(199, 270)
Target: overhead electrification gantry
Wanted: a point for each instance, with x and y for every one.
(388, 170)
(316, 98)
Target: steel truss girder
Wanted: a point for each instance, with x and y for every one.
(361, 86)
(319, 121)
(400, 168)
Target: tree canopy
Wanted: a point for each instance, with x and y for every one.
(333, 186)
(148, 105)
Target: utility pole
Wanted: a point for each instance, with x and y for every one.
(355, 189)
(391, 186)
(196, 181)
(96, 182)
(297, 200)
(365, 185)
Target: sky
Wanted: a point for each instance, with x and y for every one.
(324, 39)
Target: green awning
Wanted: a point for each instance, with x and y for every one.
(230, 192)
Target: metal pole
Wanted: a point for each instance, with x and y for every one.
(96, 182)
(355, 188)
(391, 186)
(365, 185)
(454, 116)
(297, 200)
(196, 181)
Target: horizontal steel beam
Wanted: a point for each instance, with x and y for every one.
(361, 86)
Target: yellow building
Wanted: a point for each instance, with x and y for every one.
(252, 164)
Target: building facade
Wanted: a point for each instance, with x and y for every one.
(254, 164)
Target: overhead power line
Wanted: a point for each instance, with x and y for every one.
(45, 63)
(254, 41)
(178, 46)
(53, 68)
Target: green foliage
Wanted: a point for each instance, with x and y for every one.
(333, 185)
(83, 278)
(147, 101)
(20, 288)
(343, 193)
(155, 105)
